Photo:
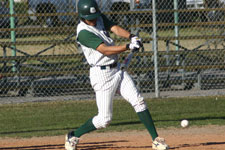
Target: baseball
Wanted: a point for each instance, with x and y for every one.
(184, 123)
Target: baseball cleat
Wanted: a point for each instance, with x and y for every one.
(159, 144)
(71, 141)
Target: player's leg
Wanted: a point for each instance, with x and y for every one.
(104, 97)
(105, 109)
(129, 91)
(105, 91)
(102, 119)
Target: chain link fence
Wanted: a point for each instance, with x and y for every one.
(39, 57)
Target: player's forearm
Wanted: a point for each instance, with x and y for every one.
(111, 50)
(120, 31)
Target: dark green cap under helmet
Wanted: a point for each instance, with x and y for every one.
(88, 9)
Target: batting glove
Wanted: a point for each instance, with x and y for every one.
(134, 38)
(133, 46)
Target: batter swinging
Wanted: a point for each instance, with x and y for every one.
(105, 76)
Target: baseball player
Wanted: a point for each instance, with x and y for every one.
(105, 76)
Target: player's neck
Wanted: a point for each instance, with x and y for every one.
(91, 22)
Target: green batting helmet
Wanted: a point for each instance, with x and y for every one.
(88, 9)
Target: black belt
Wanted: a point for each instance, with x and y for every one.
(110, 66)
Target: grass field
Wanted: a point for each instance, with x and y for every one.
(56, 118)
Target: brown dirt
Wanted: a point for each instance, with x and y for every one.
(192, 138)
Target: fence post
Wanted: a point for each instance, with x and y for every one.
(176, 20)
(4, 64)
(155, 48)
(13, 37)
(176, 30)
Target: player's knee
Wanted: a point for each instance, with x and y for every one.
(100, 123)
(140, 105)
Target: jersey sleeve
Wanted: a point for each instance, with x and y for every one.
(89, 39)
(107, 23)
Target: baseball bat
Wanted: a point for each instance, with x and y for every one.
(127, 60)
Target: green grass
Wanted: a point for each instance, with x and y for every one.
(56, 118)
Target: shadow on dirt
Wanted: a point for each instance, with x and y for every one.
(197, 144)
(39, 147)
(104, 145)
(108, 145)
(81, 146)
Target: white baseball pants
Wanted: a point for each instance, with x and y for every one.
(105, 84)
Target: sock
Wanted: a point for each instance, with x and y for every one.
(85, 128)
(146, 119)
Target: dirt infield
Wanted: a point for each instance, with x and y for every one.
(192, 138)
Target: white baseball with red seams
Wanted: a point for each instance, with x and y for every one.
(106, 82)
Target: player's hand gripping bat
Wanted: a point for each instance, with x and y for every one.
(127, 60)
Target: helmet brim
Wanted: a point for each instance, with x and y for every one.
(91, 17)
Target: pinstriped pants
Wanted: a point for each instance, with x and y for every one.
(105, 84)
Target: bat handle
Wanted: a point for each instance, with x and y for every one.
(135, 50)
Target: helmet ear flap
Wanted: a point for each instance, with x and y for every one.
(88, 9)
